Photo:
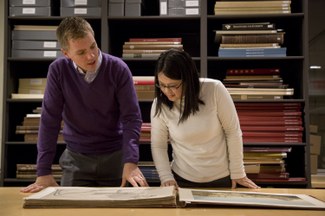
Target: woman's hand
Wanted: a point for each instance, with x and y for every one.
(246, 182)
(169, 183)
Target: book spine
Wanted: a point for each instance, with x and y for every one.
(248, 26)
(155, 40)
(150, 47)
(140, 55)
(143, 82)
(254, 71)
(140, 51)
(272, 38)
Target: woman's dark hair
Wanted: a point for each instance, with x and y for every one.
(179, 65)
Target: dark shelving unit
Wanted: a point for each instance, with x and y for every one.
(197, 33)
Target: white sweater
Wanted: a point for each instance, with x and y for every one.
(207, 146)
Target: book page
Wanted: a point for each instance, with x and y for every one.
(254, 199)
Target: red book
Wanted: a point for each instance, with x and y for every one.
(143, 82)
(269, 118)
(283, 175)
(252, 122)
(272, 134)
(267, 149)
(261, 140)
(267, 180)
(258, 105)
(272, 128)
(268, 113)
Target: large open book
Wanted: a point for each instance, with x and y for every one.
(117, 197)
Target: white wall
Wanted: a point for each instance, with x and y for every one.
(1, 68)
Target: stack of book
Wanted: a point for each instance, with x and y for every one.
(145, 133)
(270, 162)
(256, 83)
(145, 87)
(252, 7)
(30, 126)
(250, 40)
(28, 171)
(279, 122)
(149, 47)
(30, 88)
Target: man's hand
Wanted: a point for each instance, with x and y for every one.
(133, 174)
(40, 183)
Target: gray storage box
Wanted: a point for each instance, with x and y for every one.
(81, 11)
(35, 35)
(133, 7)
(36, 53)
(29, 11)
(116, 8)
(36, 3)
(35, 45)
(81, 3)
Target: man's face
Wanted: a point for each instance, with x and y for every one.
(84, 52)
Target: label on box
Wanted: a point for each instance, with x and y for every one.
(36, 81)
(192, 11)
(49, 44)
(49, 54)
(29, 2)
(163, 8)
(29, 11)
(192, 3)
(80, 2)
(80, 11)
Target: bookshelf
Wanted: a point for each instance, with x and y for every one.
(197, 33)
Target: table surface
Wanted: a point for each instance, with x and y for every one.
(11, 202)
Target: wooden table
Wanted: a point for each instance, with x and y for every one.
(11, 202)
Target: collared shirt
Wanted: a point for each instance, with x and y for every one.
(89, 76)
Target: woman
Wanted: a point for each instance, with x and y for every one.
(199, 119)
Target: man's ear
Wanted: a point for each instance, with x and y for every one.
(65, 53)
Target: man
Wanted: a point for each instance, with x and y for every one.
(93, 93)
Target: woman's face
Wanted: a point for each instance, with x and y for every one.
(171, 88)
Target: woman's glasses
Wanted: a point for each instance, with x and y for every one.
(169, 87)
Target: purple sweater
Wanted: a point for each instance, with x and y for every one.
(99, 117)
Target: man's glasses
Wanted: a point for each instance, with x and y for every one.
(169, 87)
